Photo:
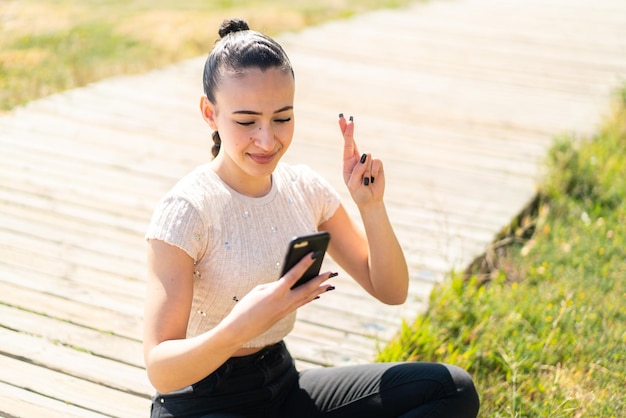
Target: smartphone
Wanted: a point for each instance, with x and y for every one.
(301, 246)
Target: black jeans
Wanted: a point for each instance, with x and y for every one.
(267, 385)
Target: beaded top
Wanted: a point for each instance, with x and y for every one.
(238, 242)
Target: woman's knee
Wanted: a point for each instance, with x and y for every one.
(466, 392)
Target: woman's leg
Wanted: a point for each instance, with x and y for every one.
(384, 390)
(253, 386)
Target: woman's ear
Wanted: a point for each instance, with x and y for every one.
(208, 112)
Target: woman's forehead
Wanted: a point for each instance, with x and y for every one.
(257, 88)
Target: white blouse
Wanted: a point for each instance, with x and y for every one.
(238, 242)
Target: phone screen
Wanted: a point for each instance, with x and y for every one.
(301, 246)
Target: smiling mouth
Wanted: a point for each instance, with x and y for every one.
(262, 158)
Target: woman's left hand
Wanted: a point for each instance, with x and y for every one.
(373, 258)
(363, 174)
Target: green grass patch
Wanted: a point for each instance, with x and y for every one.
(48, 46)
(66, 59)
(540, 320)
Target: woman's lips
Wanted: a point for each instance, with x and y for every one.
(262, 158)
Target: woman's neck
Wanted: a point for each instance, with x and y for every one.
(241, 182)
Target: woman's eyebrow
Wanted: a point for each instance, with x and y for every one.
(252, 112)
(284, 109)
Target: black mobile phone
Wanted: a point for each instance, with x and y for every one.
(301, 246)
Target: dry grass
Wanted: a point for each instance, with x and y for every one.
(48, 46)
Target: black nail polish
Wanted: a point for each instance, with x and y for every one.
(329, 288)
(351, 118)
(366, 181)
(316, 297)
(316, 254)
(340, 115)
(331, 275)
(372, 179)
(363, 158)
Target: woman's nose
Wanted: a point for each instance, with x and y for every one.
(264, 138)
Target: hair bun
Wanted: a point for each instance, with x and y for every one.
(233, 25)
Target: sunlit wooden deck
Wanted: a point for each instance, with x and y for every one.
(461, 100)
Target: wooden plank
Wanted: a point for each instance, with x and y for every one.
(16, 402)
(323, 346)
(71, 390)
(74, 362)
(97, 343)
(82, 263)
(22, 164)
(56, 306)
(101, 296)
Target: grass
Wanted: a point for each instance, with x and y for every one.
(540, 319)
(47, 46)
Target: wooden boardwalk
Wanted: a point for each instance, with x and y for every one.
(461, 100)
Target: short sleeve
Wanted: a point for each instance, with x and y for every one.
(177, 222)
(322, 196)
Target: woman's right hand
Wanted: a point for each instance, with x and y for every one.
(268, 303)
(174, 361)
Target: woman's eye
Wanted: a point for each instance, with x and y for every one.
(283, 120)
(245, 123)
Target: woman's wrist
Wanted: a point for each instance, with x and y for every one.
(372, 210)
(231, 334)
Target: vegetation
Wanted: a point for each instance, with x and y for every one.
(47, 46)
(540, 320)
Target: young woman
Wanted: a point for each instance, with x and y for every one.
(216, 309)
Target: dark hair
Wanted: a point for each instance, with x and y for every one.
(238, 49)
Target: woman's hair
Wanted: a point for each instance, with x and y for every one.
(237, 50)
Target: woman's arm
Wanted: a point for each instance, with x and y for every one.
(174, 361)
(373, 257)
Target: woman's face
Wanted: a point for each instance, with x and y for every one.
(254, 116)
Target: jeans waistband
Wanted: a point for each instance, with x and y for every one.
(279, 347)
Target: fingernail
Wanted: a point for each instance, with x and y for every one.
(316, 297)
(372, 179)
(315, 255)
(366, 181)
(331, 275)
(340, 115)
(329, 288)
(363, 158)
(351, 118)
